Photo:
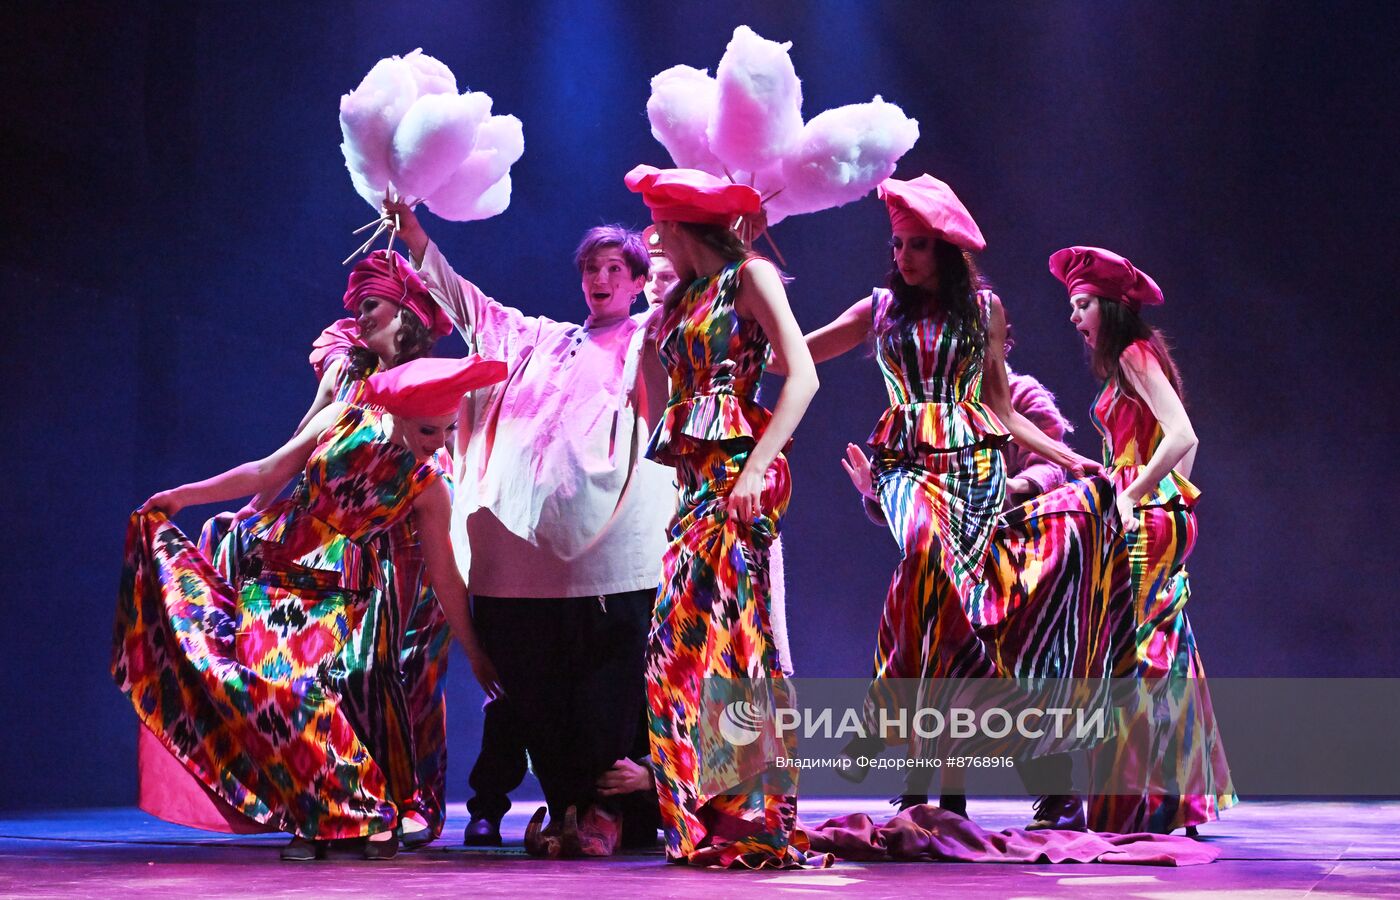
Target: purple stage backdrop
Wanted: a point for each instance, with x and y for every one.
(179, 209)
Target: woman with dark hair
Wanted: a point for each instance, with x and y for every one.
(967, 595)
(240, 676)
(712, 622)
(1157, 775)
(394, 690)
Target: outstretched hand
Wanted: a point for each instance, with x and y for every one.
(857, 466)
(168, 502)
(399, 217)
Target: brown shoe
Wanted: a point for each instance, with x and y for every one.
(539, 840)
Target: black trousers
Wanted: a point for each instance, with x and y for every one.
(574, 674)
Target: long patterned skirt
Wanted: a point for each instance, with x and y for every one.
(711, 625)
(1167, 766)
(392, 675)
(237, 681)
(1038, 605)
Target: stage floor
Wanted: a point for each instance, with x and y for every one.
(1268, 849)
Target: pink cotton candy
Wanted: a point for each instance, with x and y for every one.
(468, 207)
(436, 135)
(842, 155)
(682, 103)
(407, 131)
(758, 117)
(369, 115)
(755, 134)
(463, 197)
(431, 75)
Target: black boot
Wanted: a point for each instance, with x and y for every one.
(482, 832)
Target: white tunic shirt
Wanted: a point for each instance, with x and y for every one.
(553, 495)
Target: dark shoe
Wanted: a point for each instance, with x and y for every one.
(382, 849)
(482, 832)
(539, 840)
(300, 849)
(1191, 831)
(954, 803)
(417, 840)
(1061, 812)
(904, 801)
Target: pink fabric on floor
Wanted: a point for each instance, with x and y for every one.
(167, 791)
(930, 834)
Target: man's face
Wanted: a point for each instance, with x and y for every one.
(608, 284)
(660, 280)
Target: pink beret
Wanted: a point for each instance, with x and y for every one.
(689, 195)
(1103, 273)
(429, 387)
(928, 205)
(388, 275)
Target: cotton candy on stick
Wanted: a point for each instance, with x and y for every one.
(436, 134)
(492, 202)
(758, 114)
(369, 115)
(431, 75)
(476, 188)
(842, 155)
(680, 108)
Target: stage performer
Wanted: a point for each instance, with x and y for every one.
(560, 522)
(970, 598)
(1028, 474)
(1149, 447)
(396, 705)
(239, 677)
(712, 617)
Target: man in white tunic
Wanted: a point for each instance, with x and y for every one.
(559, 520)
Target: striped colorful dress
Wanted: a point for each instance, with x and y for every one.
(241, 679)
(711, 622)
(976, 594)
(1174, 753)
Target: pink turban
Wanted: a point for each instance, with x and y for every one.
(929, 206)
(1103, 273)
(430, 387)
(388, 275)
(689, 195)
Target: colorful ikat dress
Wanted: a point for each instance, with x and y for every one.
(1026, 596)
(1172, 753)
(243, 678)
(720, 804)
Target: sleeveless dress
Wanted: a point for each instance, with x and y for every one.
(720, 805)
(1173, 752)
(1025, 596)
(240, 678)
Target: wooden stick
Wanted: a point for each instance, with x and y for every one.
(776, 252)
(365, 246)
(367, 225)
